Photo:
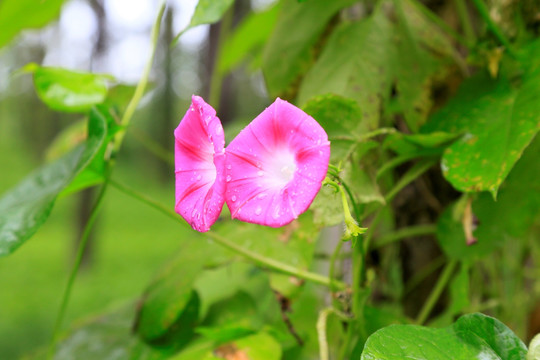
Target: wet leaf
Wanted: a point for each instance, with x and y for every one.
(67, 90)
(24, 208)
(473, 336)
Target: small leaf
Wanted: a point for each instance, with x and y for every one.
(24, 208)
(16, 15)
(474, 336)
(69, 91)
(206, 12)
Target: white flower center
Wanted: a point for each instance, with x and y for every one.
(280, 168)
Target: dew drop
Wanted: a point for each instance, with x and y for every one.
(233, 198)
(199, 177)
(229, 166)
(228, 178)
(258, 210)
(275, 215)
(260, 173)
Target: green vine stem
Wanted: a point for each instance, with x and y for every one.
(143, 82)
(124, 122)
(74, 270)
(256, 257)
(411, 231)
(484, 13)
(321, 329)
(465, 19)
(436, 292)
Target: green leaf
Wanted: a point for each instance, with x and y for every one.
(474, 336)
(359, 174)
(247, 39)
(260, 346)
(24, 208)
(207, 12)
(107, 337)
(451, 237)
(170, 296)
(16, 15)
(498, 122)
(353, 65)
(341, 118)
(94, 173)
(67, 90)
(289, 51)
(327, 207)
(517, 207)
(420, 144)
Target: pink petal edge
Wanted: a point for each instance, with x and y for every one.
(199, 166)
(275, 167)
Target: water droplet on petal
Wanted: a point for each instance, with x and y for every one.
(199, 177)
(275, 215)
(262, 195)
(233, 198)
(260, 173)
(258, 210)
(228, 178)
(229, 166)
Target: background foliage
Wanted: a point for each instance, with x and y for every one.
(432, 109)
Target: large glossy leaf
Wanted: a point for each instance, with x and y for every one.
(16, 15)
(471, 337)
(67, 90)
(24, 208)
(497, 121)
(207, 12)
(289, 52)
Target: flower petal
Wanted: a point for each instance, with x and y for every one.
(199, 166)
(275, 166)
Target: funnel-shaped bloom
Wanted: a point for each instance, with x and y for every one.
(199, 165)
(275, 166)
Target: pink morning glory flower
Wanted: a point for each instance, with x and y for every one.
(199, 166)
(275, 166)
